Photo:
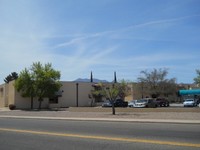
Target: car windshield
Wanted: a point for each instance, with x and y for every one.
(133, 101)
(189, 100)
(142, 101)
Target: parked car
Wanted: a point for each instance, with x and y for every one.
(117, 103)
(120, 103)
(189, 103)
(107, 104)
(162, 102)
(131, 103)
(145, 103)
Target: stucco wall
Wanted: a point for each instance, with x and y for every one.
(2, 95)
(69, 95)
(10, 96)
(11, 93)
(68, 99)
(25, 102)
(7, 94)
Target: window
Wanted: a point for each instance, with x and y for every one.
(53, 100)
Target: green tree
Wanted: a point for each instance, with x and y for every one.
(197, 79)
(96, 94)
(39, 81)
(25, 84)
(111, 92)
(124, 89)
(156, 83)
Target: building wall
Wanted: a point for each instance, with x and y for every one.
(8, 95)
(11, 93)
(68, 99)
(69, 95)
(2, 95)
(25, 102)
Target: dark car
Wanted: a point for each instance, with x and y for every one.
(117, 103)
(145, 103)
(162, 102)
(120, 103)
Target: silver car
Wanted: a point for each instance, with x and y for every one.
(189, 103)
(132, 103)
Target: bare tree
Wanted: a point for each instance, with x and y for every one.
(156, 82)
(111, 92)
(197, 79)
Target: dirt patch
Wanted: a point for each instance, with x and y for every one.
(130, 110)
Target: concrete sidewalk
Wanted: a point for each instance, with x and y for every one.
(98, 114)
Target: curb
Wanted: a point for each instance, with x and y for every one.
(107, 119)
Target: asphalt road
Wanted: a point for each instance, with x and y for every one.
(25, 134)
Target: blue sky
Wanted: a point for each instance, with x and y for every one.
(103, 36)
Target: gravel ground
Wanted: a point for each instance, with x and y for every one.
(128, 113)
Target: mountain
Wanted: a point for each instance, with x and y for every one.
(88, 80)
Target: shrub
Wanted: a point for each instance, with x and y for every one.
(12, 106)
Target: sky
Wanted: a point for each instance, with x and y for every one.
(102, 36)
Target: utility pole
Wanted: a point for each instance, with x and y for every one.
(91, 77)
(115, 77)
(77, 94)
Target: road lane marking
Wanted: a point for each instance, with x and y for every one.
(103, 138)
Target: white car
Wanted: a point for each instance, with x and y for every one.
(131, 103)
(189, 103)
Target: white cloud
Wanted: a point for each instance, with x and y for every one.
(26, 38)
(21, 41)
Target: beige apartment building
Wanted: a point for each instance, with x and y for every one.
(71, 94)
